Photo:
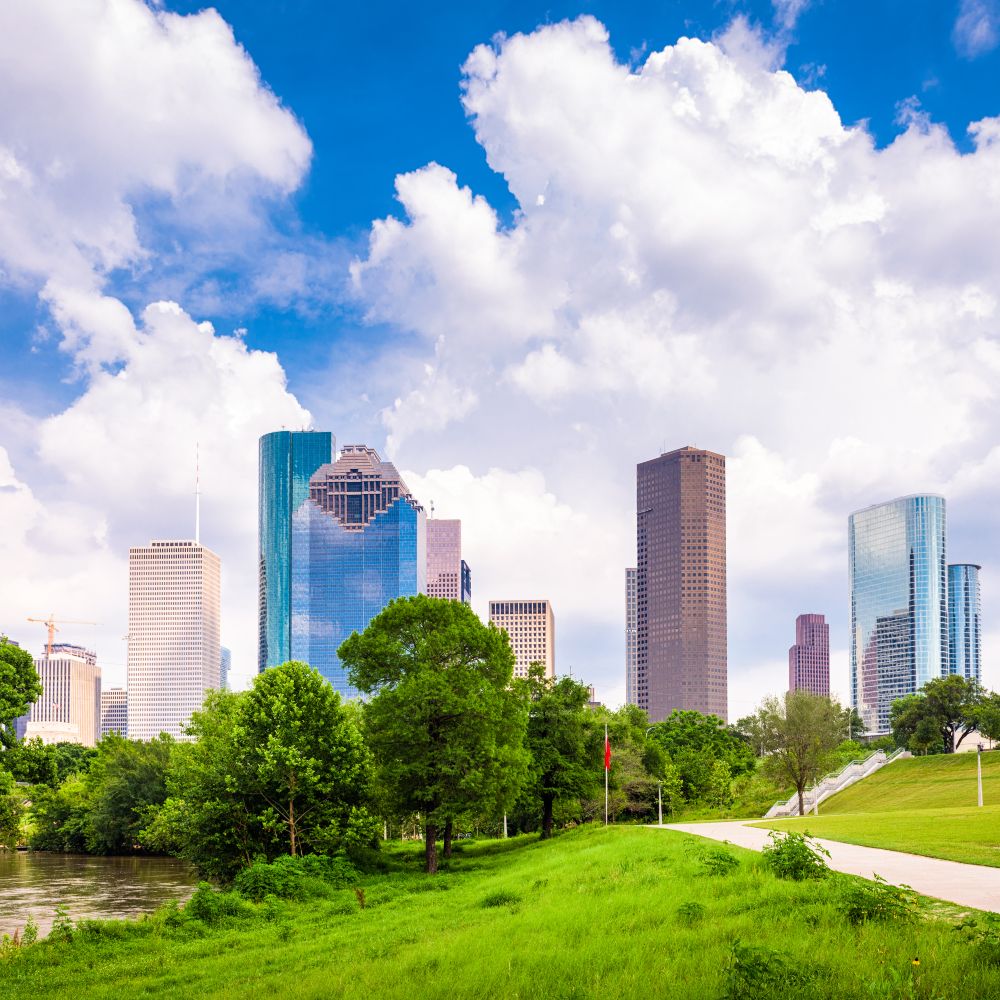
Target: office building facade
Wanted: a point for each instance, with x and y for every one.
(69, 708)
(174, 652)
(531, 627)
(809, 657)
(226, 663)
(899, 602)
(287, 461)
(631, 639)
(681, 629)
(965, 639)
(358, 543)
(447, 572)
(114, 711)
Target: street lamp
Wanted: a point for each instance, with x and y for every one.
(979, 770)
(659, 799)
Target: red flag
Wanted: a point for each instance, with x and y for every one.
(607, 753)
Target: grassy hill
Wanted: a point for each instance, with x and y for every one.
(924, 805)
(623, 912)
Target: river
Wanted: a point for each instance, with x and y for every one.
(89, 887)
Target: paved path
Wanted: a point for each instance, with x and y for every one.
(966, 885)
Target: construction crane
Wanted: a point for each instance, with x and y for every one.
(52, 623)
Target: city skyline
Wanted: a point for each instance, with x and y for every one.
(513, 323)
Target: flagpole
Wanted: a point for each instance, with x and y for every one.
(605, 774)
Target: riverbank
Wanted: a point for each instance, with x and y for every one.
(621, 912)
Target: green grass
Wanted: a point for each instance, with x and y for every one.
(624, 912)
(923, 805)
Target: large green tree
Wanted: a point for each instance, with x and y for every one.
(939, 716)
(800, 735)
(19, 687)
(558, 739)
(444, 720)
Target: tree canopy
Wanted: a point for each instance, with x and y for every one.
(939, 716)
(19, 687)
(444, 720)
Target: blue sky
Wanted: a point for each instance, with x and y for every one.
(501, 398)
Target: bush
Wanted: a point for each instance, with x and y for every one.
(295, 878)
(211, 906)
(690, 913)
(715, 861)
(759, 974)
(983, 933)
(501, 898)
(864, 902)
(794, 856)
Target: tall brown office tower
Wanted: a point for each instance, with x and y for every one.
(681, 583)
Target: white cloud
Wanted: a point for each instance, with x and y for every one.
(977, 27)
(787, 12)
(702, 253)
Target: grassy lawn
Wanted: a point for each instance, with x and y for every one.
(625, 912)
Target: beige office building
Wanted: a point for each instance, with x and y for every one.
(532, 630)
(68, 710)
(174, 650)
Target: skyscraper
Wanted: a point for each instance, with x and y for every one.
(226, 664)
(631, 640)
(899, 602)
(531, 627)
(358, 542)
(69, 709)
(114, 711)
(174, 654)
(809, 658)
(681, 583)
(447, 573)
(287, 461)
(964, 622)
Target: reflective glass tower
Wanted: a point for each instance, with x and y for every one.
(899, 602)
(964, 622)
(287, 461)
(358, 542)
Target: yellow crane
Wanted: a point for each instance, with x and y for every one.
(52, 623)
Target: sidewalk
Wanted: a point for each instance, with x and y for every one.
(967, 885)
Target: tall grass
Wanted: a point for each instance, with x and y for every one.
(622, 912)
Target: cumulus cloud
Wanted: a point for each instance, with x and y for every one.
(704, 253)
(977, 28)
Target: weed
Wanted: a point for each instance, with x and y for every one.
(30, 935)
(759, 974)
(360, 894)
(690, 913)
(716, 861)
(864, 902)
(211, 906)
(62, 926)
(501, 898)
(795, 856)
(983, 932)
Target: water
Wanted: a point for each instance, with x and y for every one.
(87, 886)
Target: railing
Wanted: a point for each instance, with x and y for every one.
(835, 782)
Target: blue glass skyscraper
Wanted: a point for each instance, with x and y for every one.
(899, 602)
(287, 461)
(358, 542)
(964, 622)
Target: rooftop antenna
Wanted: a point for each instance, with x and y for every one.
(197, 493)
(432, 508)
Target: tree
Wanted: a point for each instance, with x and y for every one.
(941, 714)
(444, 721)
(989, 715)
(11, 811)
(800, 732)
(20, 687)
(557, 739)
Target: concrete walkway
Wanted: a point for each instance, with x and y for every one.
(967, 885)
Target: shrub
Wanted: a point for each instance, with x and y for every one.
(864, 902)
(501, 898)
(211, 906)
(62, 926)
(690, 913)
(759, 974)
(795, 856)
(716, 861)
(295, 878)
(983, 933)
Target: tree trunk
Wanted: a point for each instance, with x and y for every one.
(291, 824)
(547, 816)
(802, 805)
(431, 848)
(447, 838)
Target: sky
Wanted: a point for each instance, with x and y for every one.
(518, 248)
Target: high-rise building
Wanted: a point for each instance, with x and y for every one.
(114, 711)
(899, 603)
(964, 622)
(681, 583)
(226, 661)
(174, 653)
(358, 542)
(447, 572)
(809, 658)
(69, 709)
(631, 640)
(531, 627)
(287, 461)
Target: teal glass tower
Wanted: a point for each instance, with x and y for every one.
(965, 640)
(899, 603)
(288, 460)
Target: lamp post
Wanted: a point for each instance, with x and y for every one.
(979, 770)
(659, 799)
